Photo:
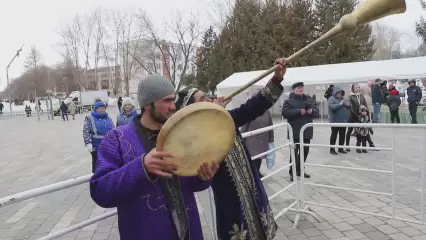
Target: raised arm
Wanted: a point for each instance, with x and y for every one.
(114, 182)
(257, 105)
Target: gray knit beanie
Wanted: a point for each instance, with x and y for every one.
(153, 88)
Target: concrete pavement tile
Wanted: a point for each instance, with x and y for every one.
(386, 229)
(333, 233)
(399, 236)
(354, 234)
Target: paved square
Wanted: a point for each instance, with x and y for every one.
(34, 154)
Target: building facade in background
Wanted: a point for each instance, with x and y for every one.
(165, 58)
(104, 78)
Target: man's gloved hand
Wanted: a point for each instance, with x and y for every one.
(89, 147)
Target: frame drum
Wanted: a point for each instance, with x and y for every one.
(198, 133)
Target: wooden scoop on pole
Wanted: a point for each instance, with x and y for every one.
(205, 132)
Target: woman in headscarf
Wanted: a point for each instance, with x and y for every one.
(356, 99)
(127, 112)
(369, 101)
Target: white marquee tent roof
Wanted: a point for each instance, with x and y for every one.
(407, 68)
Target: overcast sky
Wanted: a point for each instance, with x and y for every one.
(35, 22)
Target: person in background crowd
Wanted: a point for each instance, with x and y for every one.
(394, 101)
(96, 125)
(369, 101)
(39, 106)
(72, 108)
(1, 107)
(356, 99)
(378, 98)
(299, 110)
(64, 111)
(128, 112)
(329, 92)
(28, 110)
(414, 94)
(385, 90)
(362, 132)
(133, 177)
(262, 142)
(119, 103)
(392, 87)
(338, 112)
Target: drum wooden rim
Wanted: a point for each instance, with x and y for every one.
(185, 112)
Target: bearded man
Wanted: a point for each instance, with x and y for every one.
(133, 177)
(242, 206)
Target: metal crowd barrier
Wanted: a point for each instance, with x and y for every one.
(300, 205)
(295, 206)
(305, 204)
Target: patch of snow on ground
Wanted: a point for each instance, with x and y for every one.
(19, 108)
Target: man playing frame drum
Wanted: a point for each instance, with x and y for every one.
(133, 177)
(242, 206)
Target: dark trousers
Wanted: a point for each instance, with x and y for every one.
(362, 140)
(341, 131)
(349, 132)
(64, 115)
(412, 108)
(94, 157)
(297, 155)
(257, 163)
(394, 115)
(348, 135)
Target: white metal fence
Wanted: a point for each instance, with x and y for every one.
(295, 206)
(299, 205)
(392, 194)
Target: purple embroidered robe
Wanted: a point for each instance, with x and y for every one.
(121, 181)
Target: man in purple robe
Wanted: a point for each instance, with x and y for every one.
(132, 176)
(242, 206)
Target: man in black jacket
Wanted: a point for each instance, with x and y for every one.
(414, 94)
(377, 99)
(299, 110)
(329, 92)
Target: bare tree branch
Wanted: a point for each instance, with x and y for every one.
(178, 53)
(128, 39)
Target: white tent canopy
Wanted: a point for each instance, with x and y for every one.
(406, 68)
(321, 75)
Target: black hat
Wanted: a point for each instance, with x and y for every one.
(298, 84)
(185, 97)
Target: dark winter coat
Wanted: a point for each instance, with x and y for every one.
(292, 112)
(356, 100)
(414, 94)
(328, 93)
(394, 101)
(64, 108)
(337, 113)
(377, 94)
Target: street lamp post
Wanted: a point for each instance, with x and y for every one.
(7, 77)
